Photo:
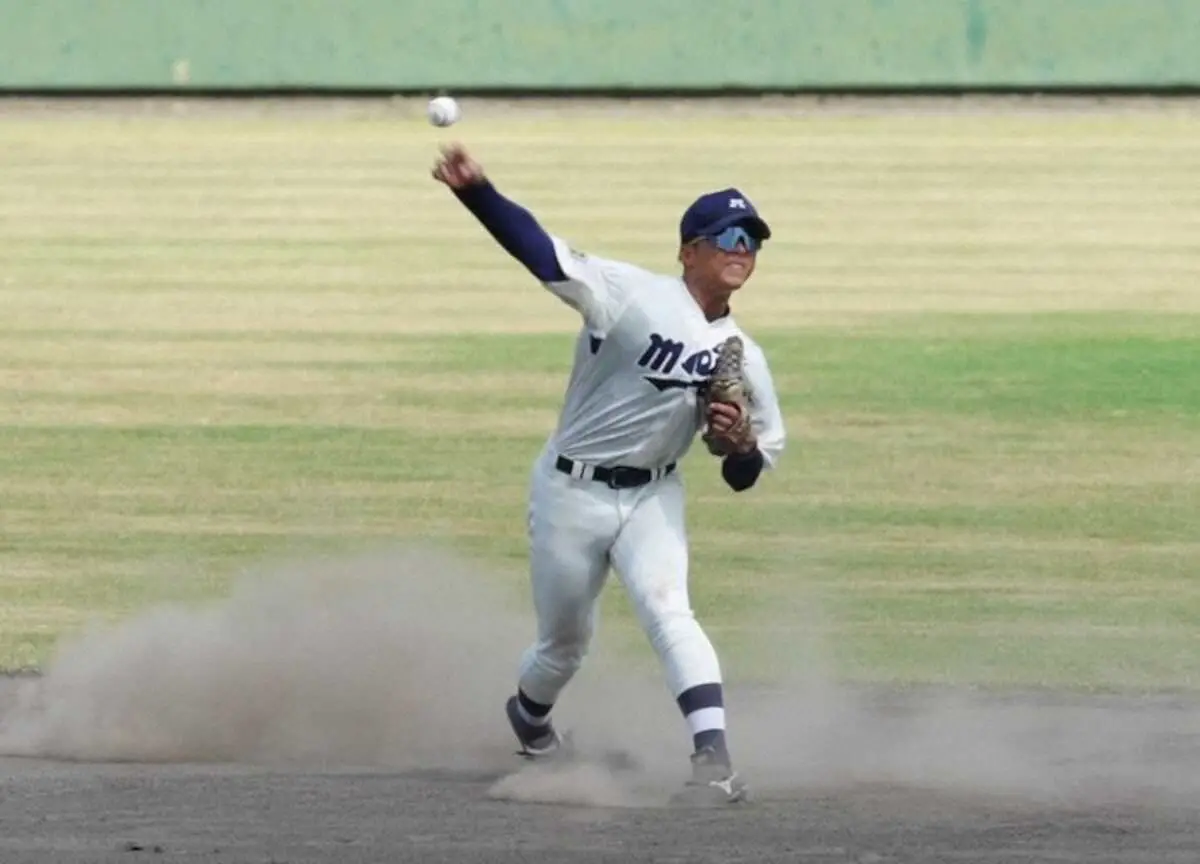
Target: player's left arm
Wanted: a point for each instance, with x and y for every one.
(742, 470)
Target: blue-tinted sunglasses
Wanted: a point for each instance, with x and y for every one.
(728, 239)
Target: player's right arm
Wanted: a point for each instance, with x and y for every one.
(592, 286)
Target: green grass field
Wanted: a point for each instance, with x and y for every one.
(233, 335)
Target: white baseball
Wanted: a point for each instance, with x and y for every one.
(443, 111)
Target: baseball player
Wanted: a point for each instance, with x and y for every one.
(605, 490)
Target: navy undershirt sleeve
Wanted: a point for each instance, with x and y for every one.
(741, 471)
(514, 228)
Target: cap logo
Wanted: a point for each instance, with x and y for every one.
(737, 203)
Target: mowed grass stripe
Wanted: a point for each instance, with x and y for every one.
(1104, 201)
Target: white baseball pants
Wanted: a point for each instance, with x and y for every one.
(577, 529)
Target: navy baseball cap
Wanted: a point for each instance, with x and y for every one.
(713, 212)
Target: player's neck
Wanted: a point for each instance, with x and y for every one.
(714, 303)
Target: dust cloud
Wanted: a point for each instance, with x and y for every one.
(398, 658)
(402, 659)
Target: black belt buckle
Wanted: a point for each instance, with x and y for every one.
(622, 477)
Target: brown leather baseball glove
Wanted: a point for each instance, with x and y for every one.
(729, 386)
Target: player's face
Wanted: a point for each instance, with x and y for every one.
(726, 260)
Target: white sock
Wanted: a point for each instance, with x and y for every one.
(706, 720)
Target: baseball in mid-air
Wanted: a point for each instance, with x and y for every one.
(443, 111)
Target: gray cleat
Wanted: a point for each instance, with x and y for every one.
(537, 742)
(713, 782)
(545, 744)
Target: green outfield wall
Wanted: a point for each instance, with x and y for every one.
(601, 44)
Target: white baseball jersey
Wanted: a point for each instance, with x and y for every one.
(645, 349)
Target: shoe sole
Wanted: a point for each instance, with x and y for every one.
(715, 794)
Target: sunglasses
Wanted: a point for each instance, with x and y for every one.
(728, 240)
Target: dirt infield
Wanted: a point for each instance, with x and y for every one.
(60, 812)
(210, 815)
